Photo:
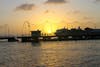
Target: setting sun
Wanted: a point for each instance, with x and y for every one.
(49, 31)
(49, 28)
(47, 22)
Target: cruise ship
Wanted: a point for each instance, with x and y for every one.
(87, 33)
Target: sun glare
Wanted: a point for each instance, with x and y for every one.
(48, 22)
(49, 28)
(49, 31)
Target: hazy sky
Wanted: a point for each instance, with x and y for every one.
(49, 15)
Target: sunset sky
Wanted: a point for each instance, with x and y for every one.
(48, 15)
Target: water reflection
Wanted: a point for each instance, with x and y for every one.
(50, 54)
(36, 44)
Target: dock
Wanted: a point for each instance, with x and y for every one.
(48, 38)
(60, 35)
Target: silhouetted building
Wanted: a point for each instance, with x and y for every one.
(36, 33)
(87, 33)
(72, 32)
(62, 32)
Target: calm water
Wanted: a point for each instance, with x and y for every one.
(50, 54)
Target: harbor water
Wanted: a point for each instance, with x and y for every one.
(82, 53)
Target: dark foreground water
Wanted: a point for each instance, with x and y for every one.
(50, 54)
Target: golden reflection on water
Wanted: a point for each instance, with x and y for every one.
(54, 54)
(50, 54)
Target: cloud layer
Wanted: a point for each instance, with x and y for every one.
(25, 7)
(55, 1)
(97, 0)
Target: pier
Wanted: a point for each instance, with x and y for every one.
(48, 38)
(59, 35)
(9, 39)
